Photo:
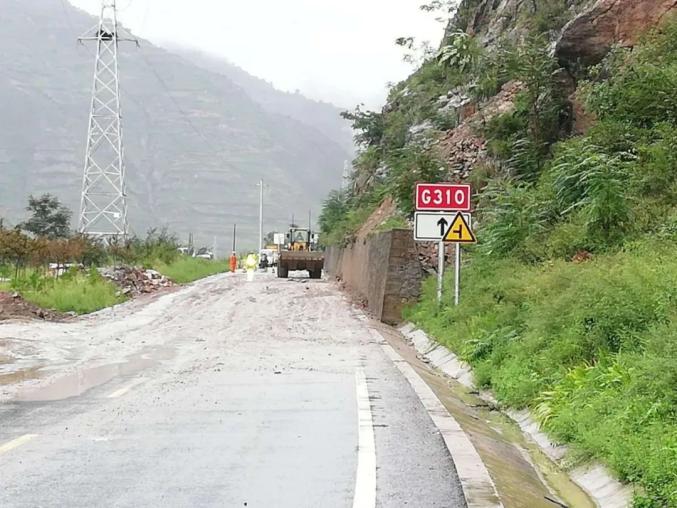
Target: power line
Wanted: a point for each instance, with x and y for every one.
(183, 114)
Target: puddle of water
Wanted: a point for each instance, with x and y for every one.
(523, 475)
(86, 378)
(19, 376)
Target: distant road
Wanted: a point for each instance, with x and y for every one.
(273, 393)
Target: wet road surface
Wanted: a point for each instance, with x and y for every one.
(265, 394)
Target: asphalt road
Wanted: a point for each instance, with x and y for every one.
(272, 393)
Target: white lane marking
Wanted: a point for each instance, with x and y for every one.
(125, 389)
(15, 443)
(365, 480)
(478, 487)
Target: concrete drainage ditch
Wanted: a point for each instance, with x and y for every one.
(523, 474)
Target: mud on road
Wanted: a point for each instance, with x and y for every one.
(221, 393)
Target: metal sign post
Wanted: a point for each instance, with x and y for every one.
(457, 276)
(440, 271)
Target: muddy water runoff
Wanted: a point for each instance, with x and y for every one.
(524, 476)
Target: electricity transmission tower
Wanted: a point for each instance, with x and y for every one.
(103, 203)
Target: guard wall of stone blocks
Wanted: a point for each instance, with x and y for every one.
(382, 269)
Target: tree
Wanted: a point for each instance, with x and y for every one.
(334, 211)
(15, 248)
(49, 218)
(368, 126)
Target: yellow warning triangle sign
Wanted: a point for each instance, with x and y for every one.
(459, 231)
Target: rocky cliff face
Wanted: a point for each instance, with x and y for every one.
(196, 142)
(587, 38)
(583, 32)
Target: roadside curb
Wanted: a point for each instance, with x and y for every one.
(594, 479)
(478, 488)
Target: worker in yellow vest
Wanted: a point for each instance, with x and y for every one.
(250, 264)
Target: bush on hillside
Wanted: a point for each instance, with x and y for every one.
(591, 347)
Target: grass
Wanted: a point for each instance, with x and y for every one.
(186, 269)
(591, 348)
(81, 293)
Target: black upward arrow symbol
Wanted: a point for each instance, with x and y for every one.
(442, 223)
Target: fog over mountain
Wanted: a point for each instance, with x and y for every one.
(199, 132)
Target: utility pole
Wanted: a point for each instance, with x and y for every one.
(233, 257)
(103, 202)
(260, 216)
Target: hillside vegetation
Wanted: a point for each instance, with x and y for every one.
(569, 301)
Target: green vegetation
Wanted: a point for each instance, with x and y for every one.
(398, 145)
(74, 291)
(570, 298)
(186, 269)
(591, 345)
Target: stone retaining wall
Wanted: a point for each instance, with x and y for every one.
(382, 268)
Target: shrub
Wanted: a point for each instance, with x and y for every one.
(591, 347)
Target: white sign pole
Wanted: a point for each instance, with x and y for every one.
(440, 271)
(457, 275)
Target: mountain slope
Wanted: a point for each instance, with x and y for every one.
(323, 116)
(196, 144)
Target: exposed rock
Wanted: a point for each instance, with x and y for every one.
(463, 148)
(582, 118)
(421, 129)
(427, 255)
(453, 100)
(587, 38)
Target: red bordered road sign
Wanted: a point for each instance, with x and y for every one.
(443, 197)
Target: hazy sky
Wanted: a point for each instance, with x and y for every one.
(341, 51)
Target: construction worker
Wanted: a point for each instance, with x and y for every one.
(233, 262)
(250, 264)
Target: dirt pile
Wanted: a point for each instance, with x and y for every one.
(134, 281)
(385, 211)
(13, 306)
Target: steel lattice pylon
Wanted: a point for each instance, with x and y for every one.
(103, 204)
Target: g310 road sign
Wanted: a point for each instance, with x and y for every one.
(434, 226)
(443, 197)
